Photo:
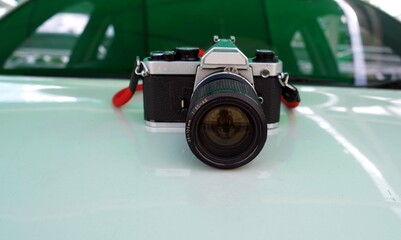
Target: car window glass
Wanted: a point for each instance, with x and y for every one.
(301, 54)
(303, 44)
(336, 32)
(51, 43)
(106, 42)
(381, 47)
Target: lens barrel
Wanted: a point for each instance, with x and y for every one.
(226, 126)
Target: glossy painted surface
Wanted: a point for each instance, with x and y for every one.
(73, 167)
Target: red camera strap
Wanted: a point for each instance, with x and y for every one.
(289, 93)
(124, 95)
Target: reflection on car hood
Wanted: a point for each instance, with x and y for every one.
(72, 165)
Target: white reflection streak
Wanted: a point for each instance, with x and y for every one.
(339, 109)
(332, 100)
(16, 93)
(356, 43)
(374, 110)
(385, 189)
(32, 93)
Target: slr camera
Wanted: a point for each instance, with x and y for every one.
(225, 101)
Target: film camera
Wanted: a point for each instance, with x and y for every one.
(225, 101)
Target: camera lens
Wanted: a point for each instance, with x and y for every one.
(226, 126)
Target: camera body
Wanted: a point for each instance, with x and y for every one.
(173, 76)
(225, 101)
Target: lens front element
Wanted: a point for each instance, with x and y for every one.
(226, 131)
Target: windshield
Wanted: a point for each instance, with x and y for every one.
(353, 44)
(381, 51)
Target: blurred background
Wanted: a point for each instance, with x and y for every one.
(334, 42)
(390, 6)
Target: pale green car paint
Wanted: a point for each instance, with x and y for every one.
(74, 167)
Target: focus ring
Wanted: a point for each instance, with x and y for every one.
(230, 83)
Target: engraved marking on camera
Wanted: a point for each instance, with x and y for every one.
(188, 131)
(198, 106)
(231, 69)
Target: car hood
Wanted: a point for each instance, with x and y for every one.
(74, 167)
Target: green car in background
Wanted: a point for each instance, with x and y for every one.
(332, 41)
